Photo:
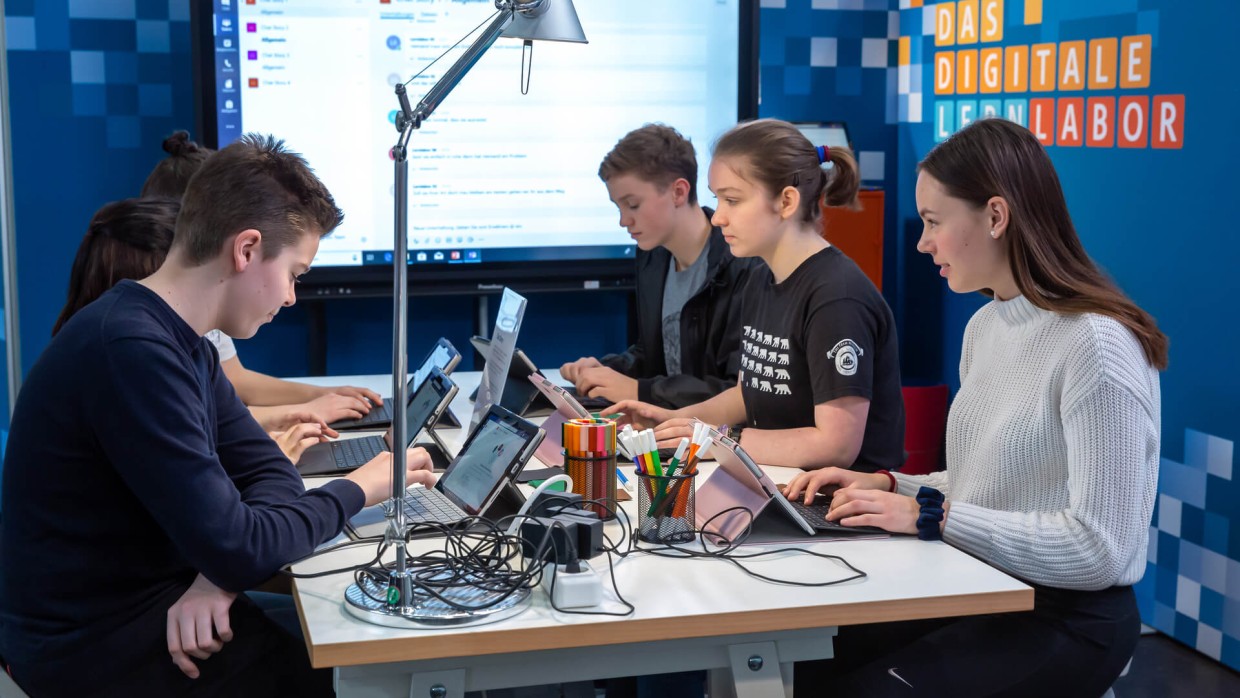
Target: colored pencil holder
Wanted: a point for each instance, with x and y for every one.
(665, 512)
(594, 479)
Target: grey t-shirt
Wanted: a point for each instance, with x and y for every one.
(679, 287)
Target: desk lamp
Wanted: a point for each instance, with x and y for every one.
(530, 20)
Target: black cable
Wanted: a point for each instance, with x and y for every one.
(726, 549)
(287, 570)
(479, 554)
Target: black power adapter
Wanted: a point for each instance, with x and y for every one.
(550, 540)
(563, 538)
(548, 503)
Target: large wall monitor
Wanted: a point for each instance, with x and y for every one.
(503, 185)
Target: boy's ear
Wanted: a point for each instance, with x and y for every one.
(680, 191)
(245, 248)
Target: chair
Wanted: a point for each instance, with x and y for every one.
(9, 687)
(925, 427)
(1111, 691)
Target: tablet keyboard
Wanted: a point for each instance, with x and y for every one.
(816, 515)
(590, 403)
(379, 415)
(428, 504)
(352, 453)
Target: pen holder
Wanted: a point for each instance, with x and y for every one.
(594, 479)
(665, 511)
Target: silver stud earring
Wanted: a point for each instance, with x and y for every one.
(994, 235)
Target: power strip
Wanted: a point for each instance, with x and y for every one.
(573, 589)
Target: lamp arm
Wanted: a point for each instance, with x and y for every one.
(453, 76)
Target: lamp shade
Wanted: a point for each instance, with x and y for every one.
(553, 20)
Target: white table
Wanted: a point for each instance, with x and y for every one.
(691, 614)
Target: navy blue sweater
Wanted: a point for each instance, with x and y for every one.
(132, 466)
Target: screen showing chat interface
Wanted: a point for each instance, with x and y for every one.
(494, 175)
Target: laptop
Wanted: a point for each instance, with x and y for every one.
(551, 451)
(833, 134)
(479, 476)
(519, 395)
(443, 356)
(345, 455)
(738, 482)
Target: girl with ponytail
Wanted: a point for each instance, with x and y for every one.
(820, 373)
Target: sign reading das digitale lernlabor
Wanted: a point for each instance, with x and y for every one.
(1081, 91)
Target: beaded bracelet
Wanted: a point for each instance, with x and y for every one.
(931, 501)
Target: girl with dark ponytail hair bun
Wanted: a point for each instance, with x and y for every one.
(126, 240)
(820, 372)
(171, 176)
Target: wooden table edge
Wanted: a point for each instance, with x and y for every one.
(525, 639)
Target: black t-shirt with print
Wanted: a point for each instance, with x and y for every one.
(822, 334)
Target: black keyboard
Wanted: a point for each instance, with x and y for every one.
(379, 415)
(425, 504)
(590, 403)
(352, 453)
(816, 515)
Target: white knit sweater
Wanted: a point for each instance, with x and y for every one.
(1052, 447)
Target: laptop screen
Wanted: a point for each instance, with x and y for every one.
(831, 134)
(492, 452)
(443, 356)
(423, 403)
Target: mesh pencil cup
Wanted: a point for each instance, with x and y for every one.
(665, 511)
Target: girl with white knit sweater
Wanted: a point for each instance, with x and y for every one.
(1052, 444)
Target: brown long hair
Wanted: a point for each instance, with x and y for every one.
(127, 239)
(996, 157)
(777, 155)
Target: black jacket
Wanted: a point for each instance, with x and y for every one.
(710, 328)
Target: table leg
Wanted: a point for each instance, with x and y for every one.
(754, 671)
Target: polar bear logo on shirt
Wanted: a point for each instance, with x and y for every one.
(782, 389)
(782, 374)
(847, 355)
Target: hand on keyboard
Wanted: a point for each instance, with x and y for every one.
(375, 478)
(297, 439)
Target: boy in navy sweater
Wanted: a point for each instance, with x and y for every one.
(139, 495)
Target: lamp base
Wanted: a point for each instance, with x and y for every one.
(368, 604)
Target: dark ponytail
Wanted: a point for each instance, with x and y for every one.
(172, 174)
(127, 239)
(844, 180)
(777, 155)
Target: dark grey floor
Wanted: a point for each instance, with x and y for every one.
(1162, 667)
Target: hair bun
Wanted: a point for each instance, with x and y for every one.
(179, 144)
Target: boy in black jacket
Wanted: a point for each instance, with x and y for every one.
(688, 282)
